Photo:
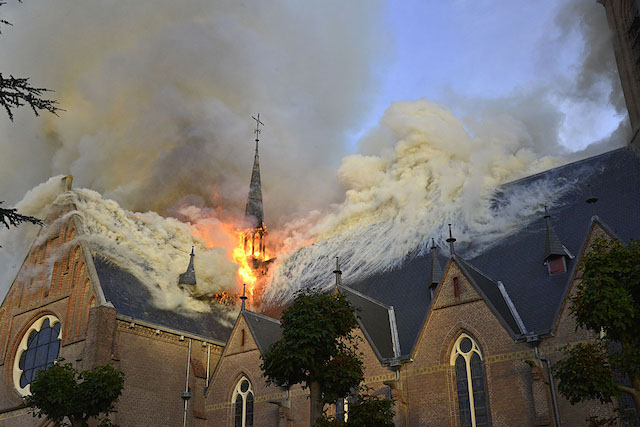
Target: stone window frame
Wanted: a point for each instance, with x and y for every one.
(458, 352)
(237, 391)
(22, 347)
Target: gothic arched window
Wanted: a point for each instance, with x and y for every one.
(472, 396)
(243, 404)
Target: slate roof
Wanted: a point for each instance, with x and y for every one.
(265, 330)
(517, 260)
(254, 213)
(132, 299)
(377, 321)
(406, 288)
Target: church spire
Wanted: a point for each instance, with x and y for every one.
(253, 213)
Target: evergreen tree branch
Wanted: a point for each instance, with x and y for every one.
(11, 217)
(16, 92)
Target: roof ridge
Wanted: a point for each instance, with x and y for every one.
(262, 316)
(476, 269)
(367, 297)
(565, 165)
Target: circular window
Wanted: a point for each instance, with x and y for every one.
(466, 345)
(38, 349)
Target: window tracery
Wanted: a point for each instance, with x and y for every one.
(466, 359)
(38, 349)
(243, 403)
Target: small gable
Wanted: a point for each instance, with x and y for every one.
(463, 283)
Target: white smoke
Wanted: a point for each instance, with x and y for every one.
(433, 172)
(152, 248)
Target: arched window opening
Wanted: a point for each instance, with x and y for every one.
(243, 400)
(38, 349)
(466, 359)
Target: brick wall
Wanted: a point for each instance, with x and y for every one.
(239, 361)
(429, 381)
(155, 365)
(44, 285)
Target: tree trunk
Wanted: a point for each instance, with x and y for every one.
(78, 422)
(316, 401)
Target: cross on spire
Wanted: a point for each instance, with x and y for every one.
(258, 123)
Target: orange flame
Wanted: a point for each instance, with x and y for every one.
(226, 235)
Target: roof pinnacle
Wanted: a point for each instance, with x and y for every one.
(257, 131)
(451, 240)
(338, 273)
(244, 296)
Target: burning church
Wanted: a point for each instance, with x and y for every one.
(456, 333)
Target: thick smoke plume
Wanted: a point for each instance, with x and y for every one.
(433, 172)
(159, 97)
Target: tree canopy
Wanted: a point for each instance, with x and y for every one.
(61, 392)
(607, 301)
(318, 349)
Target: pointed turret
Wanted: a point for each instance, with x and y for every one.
(436, 273)
(189, 276)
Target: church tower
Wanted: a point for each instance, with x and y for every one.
(624, 20)
(254, 229)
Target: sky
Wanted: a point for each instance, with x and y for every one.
(487, 49)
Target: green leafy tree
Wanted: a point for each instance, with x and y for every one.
(318, 349)
(608, 301)
(61, 392)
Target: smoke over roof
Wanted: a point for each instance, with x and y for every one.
(159, 98)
